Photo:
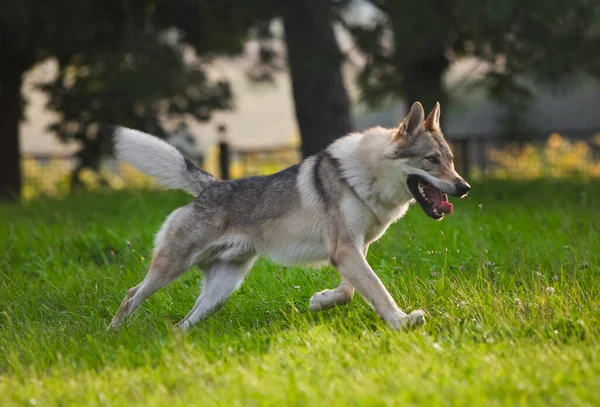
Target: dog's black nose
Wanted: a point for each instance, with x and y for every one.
(462, 188)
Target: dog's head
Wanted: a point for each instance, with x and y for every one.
(423, 157)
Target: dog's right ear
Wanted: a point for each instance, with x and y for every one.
(412, 123)
(432, 123)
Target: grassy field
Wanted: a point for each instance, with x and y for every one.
(511, 282)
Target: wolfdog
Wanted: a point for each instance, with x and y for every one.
(329, 208)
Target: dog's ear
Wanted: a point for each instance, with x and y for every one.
(412, 123)
(432, 123)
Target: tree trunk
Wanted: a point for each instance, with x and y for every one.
(321, 101)
(11, 76)
(424, 83)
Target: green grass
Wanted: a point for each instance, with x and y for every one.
(512, 289)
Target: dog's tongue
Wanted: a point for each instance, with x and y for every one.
(438, 199)
(444, 206)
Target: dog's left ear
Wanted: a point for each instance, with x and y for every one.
(412, 123)
(432, 123)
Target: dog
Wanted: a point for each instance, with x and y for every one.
(327, 209)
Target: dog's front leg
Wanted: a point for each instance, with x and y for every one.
(327, 299)
(352, 265)
(341, 295)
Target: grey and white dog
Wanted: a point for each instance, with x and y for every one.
(329, 208)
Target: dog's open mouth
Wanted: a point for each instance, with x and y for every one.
(433, 201)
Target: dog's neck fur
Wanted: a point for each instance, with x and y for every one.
(370, 174)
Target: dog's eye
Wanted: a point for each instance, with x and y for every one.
(433, 160)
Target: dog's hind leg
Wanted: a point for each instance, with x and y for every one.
(171, 259)
(221, 279)
(161, 273)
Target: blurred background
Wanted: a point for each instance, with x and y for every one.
(246, 88)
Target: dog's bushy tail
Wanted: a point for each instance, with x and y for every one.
(160, 160)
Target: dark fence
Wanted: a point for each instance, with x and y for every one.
(51, 174)
(553, 155)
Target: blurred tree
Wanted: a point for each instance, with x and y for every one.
(314, 60)
(411, 44)
(134, 86)
(105, 52)
(321, 101)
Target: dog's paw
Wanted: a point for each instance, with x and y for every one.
(328, 299)
(183, 325)
(415, 319)
(405, 322)
(321, 301)
(114, 325)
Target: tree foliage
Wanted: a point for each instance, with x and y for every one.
(411, 44)
(156, 72)
(132, 86)
(115, 65)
